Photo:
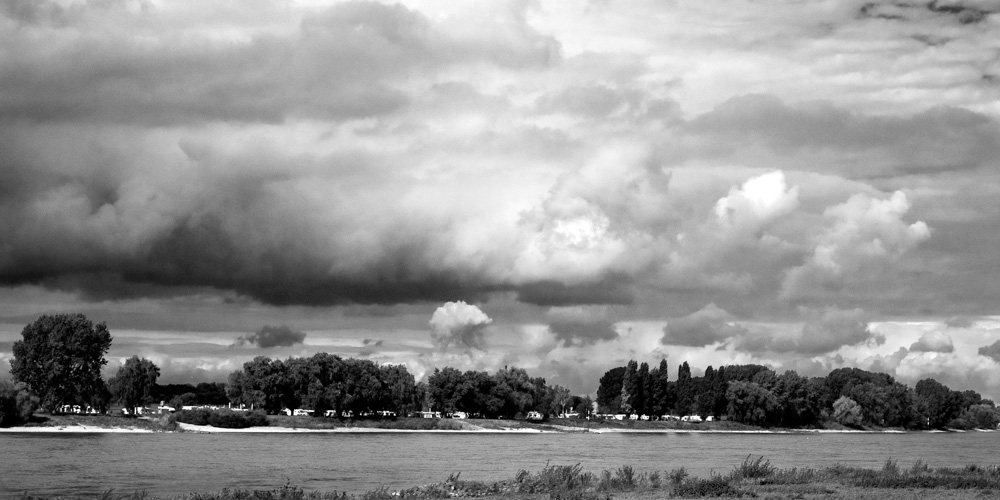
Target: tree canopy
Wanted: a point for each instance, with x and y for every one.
(60, 357)
(135, 382)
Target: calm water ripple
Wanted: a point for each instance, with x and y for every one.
(171, 464)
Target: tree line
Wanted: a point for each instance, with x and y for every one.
(58, 362)
(756, 395)
(60, 357)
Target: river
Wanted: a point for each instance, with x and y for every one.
(179, 463)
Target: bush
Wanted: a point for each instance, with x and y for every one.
(715, 486)
(16, 404)
(226, 419)
(754, 469)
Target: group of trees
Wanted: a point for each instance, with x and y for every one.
(509, 393)
(756, 395)
(323, 382)
(59, 360)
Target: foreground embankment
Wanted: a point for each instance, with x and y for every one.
(754, 478)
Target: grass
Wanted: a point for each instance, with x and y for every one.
(753, 478)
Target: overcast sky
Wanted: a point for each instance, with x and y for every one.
(559, 186)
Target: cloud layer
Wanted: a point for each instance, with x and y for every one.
(657, 177)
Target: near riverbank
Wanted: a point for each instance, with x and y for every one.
(754, 478)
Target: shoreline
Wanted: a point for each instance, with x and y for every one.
(205, 429)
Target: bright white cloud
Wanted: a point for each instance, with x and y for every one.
(460, 324)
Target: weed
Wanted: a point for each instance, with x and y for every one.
(382, 493)
(754, 469)
(677, 476)
(625, 477)
(919, 467)
(714, 486)
(890, 468)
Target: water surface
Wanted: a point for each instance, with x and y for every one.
(172, 464)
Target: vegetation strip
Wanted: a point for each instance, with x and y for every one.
(57, 367)
(755, 477)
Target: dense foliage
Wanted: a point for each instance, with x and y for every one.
(756, 395)
(16, 404)
(60, 358)
(225, 418)
(135, 382)
(204, 393)
(323, 382)
(508, 393)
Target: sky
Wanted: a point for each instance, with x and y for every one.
(557, 186)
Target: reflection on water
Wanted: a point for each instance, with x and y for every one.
(171, 464)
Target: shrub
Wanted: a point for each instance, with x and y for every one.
(16, 404)
(753, 469)
(919, 467)
(677, 476)
(890, 468)
(625, 477)
(715, 486)
(226, 419)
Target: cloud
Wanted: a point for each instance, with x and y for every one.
(863, 235)
(340, 62)
(824, 331)
(759, 199)
(959, 322)
(701, 328)
(459, 324)
(581, 325)
(933, 342)
(991, 351)
(814, 135)
(272, 336)
(369, 347)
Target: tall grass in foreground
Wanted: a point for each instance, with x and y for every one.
(752, 478)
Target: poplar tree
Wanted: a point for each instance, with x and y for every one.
(630, 386)
(685, 390)
(644, 390)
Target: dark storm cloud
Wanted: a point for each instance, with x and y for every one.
(824, 332)
(369, 347)
(941, 139)
(582, 331)
(343, 62)
(272, 336)
(991, 351)
(959, 322)
(613, 289)
(701, 328)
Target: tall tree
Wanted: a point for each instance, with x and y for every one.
(938, 403)
(135, 382)
(59, 359)
(609, 390)
(660, 394)
(644, 390)
(752, 404)
(630, 387)
(685, 390)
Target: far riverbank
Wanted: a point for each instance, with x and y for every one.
(287, 424)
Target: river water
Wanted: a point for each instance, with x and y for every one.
(179, 463)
